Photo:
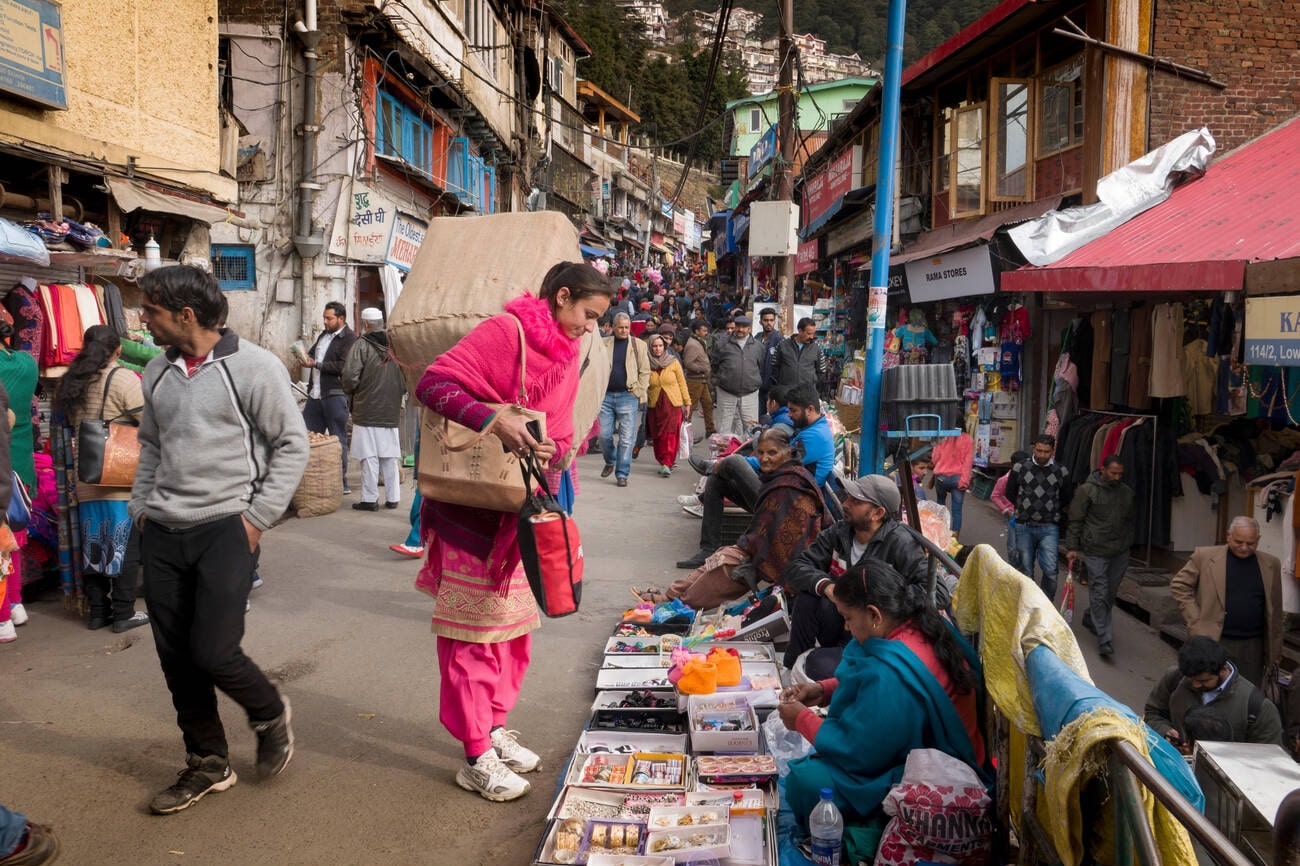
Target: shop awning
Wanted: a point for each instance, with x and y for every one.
(132, 195)
(1201, 238)
(961, 234)
(851, 202)
(598, 252)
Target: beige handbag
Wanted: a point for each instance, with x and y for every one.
(461, 466)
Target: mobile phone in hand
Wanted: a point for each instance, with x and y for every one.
(535, 430)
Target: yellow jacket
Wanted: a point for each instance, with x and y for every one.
(670, 381)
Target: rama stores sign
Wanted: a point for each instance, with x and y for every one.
(1273, 331)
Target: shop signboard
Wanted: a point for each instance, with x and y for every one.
(1273, 330)
(679, 223)
(806, 259)
(762, 151)
(957, 274)
(408, 235)
(823, 190)
(31, 52)
(363, 225)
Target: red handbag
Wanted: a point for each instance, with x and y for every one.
(549, 546)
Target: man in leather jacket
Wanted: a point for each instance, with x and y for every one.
(327, 405)
(869, 528)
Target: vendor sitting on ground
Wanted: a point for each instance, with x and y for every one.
(907, 681)
(1205, 698)
(735, 478)
(869, 530)
(788, 514)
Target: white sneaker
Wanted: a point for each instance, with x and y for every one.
(18, 614)
(7, 632)
(688, 499)
(513, 755)
(491, 779)
(694, 510)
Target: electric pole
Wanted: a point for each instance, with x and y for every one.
(783, 172)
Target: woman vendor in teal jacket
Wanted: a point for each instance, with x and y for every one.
(906, 681)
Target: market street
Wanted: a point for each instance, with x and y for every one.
(87, 733)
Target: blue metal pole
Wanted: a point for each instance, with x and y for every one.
(872, 451)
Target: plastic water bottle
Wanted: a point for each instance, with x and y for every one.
(826, 826)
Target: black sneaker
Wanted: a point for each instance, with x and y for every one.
(274, 744)
(200, 776)
(1106, 650)
(365, 506)
(695, 561)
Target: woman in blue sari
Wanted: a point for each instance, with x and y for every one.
(906, 681)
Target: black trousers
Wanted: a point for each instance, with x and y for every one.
(732, 478)
(814, 621)
(196, 585)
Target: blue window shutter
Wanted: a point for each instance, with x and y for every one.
(234, 266)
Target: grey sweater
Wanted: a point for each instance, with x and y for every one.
(227, 440)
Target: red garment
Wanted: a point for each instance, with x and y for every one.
(1111, 445)
(1014, 327)
(69, 319)
(665, 427)
(955, 455)
(963, 701)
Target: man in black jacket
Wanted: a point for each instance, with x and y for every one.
(327, 404)
(869, 528)
(798, 358)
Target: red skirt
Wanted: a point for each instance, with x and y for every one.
(665, 423)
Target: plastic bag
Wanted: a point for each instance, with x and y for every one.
(684, 441)
(1067, 595)
(940, 811)
(783, 744)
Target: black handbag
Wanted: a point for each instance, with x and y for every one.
(108, 451)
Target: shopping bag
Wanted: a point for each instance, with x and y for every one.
(684, 441)
(1067, 595)
(549, 546)
(20, 505)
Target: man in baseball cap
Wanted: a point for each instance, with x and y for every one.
(869, 528)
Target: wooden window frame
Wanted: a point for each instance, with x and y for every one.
(954, 164)
(1075, 86)
(994, 140)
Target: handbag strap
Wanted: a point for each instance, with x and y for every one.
(529, 468)
(523, 361)
(103, 398)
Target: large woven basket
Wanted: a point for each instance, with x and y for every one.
(850, 415)
(321, 489)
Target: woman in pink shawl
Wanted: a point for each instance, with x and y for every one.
(485, 614)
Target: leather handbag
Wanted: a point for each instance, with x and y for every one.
(461, 466)
(108, 450)
(550, 548)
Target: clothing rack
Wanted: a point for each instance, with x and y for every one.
(1155, 444)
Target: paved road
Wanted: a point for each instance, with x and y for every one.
(86, 730)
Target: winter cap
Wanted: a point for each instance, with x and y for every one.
(372, 314)
(743, 320)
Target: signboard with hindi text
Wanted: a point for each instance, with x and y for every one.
(363, 226)
(1273, 331)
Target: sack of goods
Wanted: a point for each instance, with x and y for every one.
(321, 489)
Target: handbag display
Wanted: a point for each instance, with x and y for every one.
(108, 450)
(20, 506)
(549, 547)
(461, 466)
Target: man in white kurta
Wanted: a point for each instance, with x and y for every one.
(373, 381)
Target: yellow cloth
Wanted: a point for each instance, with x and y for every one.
(1077, 754)
(671, 382)
(1012, 616)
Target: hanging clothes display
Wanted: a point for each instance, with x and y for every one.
(1167, 351)
(1099, 388)
(1119, 357)
(1139, 374)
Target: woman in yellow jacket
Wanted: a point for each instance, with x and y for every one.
(667, 399)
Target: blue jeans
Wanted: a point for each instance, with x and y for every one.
(12, 827)
(618, 415)
(945, 484)
(1039, 541)
(330, 415)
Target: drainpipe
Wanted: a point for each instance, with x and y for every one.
(308, 241)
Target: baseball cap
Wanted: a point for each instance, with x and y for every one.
(876, 489)
(743, 320)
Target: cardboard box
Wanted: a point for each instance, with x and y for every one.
(608, 716)
(632, 678)
(636, 741)
(717, 842)
(709, 713)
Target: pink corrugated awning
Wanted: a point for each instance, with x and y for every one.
(967, 232)
(1201, 238)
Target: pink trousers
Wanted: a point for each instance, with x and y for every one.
(13, 593)
(480, 685)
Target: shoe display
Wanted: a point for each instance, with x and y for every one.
(665, 471)
(200, 776)
(391, 505)
(620, 482)
(512, 754)
(695, 561)
(135, 620)
(694, 510)
(40, 847)
(407, 550)
(7, 632)
(607, 471)
(700, 465)
(688, 499)
(365, 506)
(1106, 650)
(274, 743)
(491, 779)
(18, 614)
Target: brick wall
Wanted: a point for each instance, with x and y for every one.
(1252, 45)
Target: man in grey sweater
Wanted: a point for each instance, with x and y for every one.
(222, 449)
